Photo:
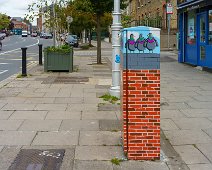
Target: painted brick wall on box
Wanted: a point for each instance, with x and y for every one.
(141, 109)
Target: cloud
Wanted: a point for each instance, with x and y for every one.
(15, 8)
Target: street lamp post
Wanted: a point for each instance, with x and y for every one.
(116, 27)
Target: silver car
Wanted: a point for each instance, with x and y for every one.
(71, 40)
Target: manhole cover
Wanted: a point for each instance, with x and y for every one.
(34, 159)
(71, 80)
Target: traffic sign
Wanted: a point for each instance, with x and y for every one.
(169, 8)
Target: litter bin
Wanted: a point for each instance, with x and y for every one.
(140, 92)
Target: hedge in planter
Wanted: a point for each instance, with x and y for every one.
(58, 58)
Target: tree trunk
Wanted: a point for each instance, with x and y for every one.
(90, 36)
(99, 59)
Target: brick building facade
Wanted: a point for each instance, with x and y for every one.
(141, 10)
(152, 13)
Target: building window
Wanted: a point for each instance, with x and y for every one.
(210, 27)
(191, 28)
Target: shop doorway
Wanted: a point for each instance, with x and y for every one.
(202, 34)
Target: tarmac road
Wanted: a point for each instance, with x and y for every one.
(11, 54)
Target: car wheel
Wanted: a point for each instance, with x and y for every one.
(0, 47)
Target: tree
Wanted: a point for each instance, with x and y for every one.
(4, 21)
(100, 7)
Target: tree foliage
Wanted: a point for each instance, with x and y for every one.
(4, 21)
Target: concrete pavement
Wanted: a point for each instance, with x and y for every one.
(64, 111)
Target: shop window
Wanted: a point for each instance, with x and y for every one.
(210, 27)
(191, 28)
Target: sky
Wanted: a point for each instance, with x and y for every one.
(15, 8)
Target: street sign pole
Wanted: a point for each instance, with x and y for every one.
(169, 12)
(169, 20)
(116, 45)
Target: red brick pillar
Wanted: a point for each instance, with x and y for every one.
(140, 92)
(141, 109)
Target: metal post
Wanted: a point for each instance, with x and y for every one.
(54, 31)
(169, 18)
(116, 27)
(40, 54)
(24, 69)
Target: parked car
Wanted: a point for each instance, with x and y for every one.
(24, 34)
(2, 36)
(72, 40)
(42, 34)
(34, 34)
(48, 36)
(0, 45)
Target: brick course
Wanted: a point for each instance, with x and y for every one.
(143, 107)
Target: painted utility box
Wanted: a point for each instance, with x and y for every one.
(140, 92)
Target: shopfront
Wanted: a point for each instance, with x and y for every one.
(195, 29)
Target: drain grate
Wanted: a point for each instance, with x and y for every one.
(34, 159)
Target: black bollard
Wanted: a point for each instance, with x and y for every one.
(24, 69)
(40, 54)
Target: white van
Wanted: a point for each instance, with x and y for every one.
(24, 34)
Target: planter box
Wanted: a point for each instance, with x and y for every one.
(57, 61)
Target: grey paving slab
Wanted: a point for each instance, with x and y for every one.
(177, 167)
(191, 155)
(168, 124)
(136, 165)
(37, 100)
(12, 138)
(63, 115)
(88, 100)
(40, 125)
(183, 137)
(31, 94)
(200, 105)
(174, 114)
(205, 92)
(5, 114)
(57, 94)
(1, 148)
(79, 125)
(48, 107)
(206, 149)
(10, 124)
(197, 112)
(174, 106)
(93, 165)
(200, 167)
(16, 106)
(101, 138)
(28, 115)
(69, 100)
(98, 152)
(47, 90)
(110, 125)
(193, 123)
(179, 99)
(82, 107)
(15, 99)
(99, 115)
(7, 156)
(57, 138)
(2, 105)
(185, 94)
(203, 98)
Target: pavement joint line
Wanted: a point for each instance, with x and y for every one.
(33, 138)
